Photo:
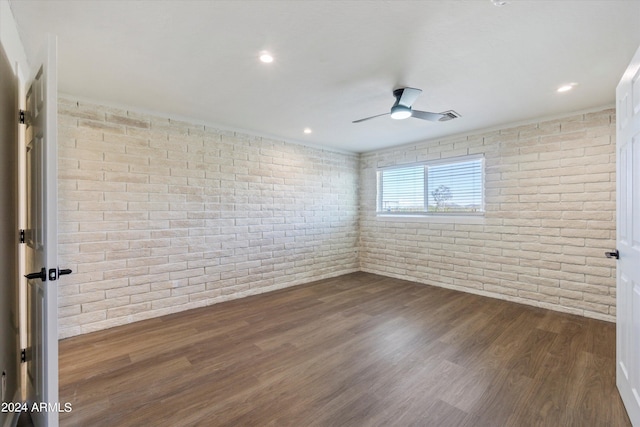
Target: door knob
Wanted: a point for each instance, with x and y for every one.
(54, 273)
(42, 275)
(615, 254)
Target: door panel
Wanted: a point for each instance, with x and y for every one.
(635, 185)
(628, 239)
(41, 238)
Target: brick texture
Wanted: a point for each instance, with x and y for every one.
(550, 216)
(158, 216)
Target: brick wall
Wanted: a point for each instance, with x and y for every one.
(550, 215)
(158, 216)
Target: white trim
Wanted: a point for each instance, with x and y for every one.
(16, 54)
(435, 218)
(10, 39)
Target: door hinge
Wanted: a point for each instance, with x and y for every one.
(21, 235)
(23, 355)
(21, 117)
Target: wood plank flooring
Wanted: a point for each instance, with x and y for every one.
(357, 350)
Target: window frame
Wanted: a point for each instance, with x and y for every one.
(426, 164)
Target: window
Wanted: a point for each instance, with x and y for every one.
(454, 186)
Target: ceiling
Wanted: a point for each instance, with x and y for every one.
(338, 61)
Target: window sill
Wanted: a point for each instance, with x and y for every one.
(442, 219)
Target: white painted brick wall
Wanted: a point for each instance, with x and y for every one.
(550, 202)
(158, 216)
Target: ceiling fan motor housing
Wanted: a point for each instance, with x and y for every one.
(397, 93)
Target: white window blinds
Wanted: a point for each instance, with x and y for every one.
(454, 187)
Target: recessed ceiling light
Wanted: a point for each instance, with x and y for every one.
(307, 130)
(499, 2)
(567, 87)
(266, 57)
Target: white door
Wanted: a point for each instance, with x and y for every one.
(41, 238)
(628, 238)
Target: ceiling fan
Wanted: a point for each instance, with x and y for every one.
(401, 109)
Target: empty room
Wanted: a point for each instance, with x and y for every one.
(320, 213)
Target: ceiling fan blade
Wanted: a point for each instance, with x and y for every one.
(425, 115)
(369, 118)
(408, 96)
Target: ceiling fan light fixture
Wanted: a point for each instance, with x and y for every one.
(400, 112)
(401, 109)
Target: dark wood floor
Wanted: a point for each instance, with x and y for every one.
(358, 350)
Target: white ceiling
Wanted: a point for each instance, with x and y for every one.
(338, 61)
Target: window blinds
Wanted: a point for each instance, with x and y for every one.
(433, 188)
